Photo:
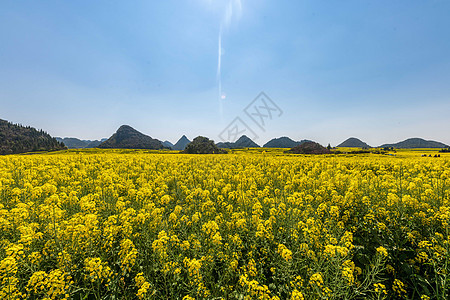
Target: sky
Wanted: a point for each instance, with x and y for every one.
(329, 70)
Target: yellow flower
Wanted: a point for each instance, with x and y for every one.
(127, 254)
(422, 257)
(142, 285)
(285, 253)
(347, 274)
(185, 245)
(399, 287)
(54, 285)
(316, 279)
(97, 271)
(381, 250)
(297, 295)
(380, 288)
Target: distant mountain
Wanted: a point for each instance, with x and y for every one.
(309, 148)
(167, 144)
(20, 139)
(243, 142)
(416, 143)
(94, 144)
(181, 144)
(127, 137)
(74, 143)
(283, 142)
(353, 142)
(228, 145)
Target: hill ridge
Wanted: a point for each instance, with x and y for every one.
(181, 143)
(283, 142)
(76, 143)
(243, 142)
(16, 138)
(411, 143)
(353, 142)
(126, 137)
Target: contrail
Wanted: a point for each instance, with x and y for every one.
(219, 73)
(234, 7)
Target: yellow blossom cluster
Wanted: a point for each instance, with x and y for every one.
(127, 224)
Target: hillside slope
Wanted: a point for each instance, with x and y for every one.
(127, 137)
(353, 143)
(416, 143)
(283, 142)
(16, 138)
(243, 142)
(181, 143)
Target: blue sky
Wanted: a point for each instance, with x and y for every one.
(377, 70)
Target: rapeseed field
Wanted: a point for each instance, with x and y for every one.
(246, 225)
